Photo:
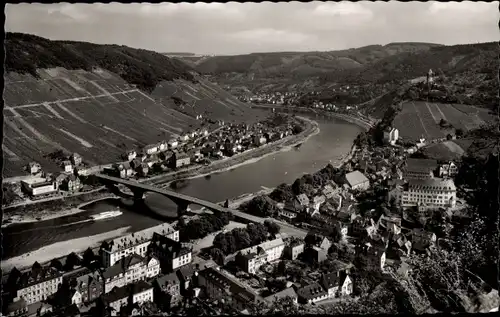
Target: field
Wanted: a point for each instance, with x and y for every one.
(448, 150)
(99, 115)
(421, 119)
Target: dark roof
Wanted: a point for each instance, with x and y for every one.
(311, 291)
(329, 280)
(186, 272)
(118, 293)
(37, 276)
(168, 245)
(421, 165)
(17, 305)
(171, 278)
(122, 265)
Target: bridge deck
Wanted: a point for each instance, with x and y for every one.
(165, 192)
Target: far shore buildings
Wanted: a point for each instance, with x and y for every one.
(137, 242)
(357, 180)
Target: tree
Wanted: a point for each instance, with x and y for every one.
(272, 227)
(72, 260)
(88, 257)
(282, 193)
(459, 133)
(217, 255)
(56, 263)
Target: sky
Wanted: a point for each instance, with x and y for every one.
(239, 28)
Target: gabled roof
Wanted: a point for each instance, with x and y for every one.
(311, 291)
(169, 279)
(355, 178)
(287, 292)
(119, 293)
(122, 266)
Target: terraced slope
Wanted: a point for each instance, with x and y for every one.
(54, 103)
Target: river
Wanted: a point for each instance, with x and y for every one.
(329, 146)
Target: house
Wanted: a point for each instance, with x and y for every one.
(337, 284)
(37, 284)
(17, 308)
(171, 253)
(135, 163)
(81, 171)
(152, 266)
(180, 160)
(287, 292)
(217, 285)
(75, 296)
(143, 170)
(293, 250)
(113, 250)
(167, 291)
(129, 171)
(130, 155)
(373, 252)
(127, 270)
(89, 284)
(251, 259)
(328, 191)
(303, 200)
(128, 295)
(172, 144)
(34, 167)
(72, 183)
(317, 201)
(60, 179)
(311, 293)
(151, 149)
(67, 167)
(315, 255)
(185, 274)
(357, 181)
(76, 159)
(422, 240)
(420, 168)
(448, 170)
(162, 146)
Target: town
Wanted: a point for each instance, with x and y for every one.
(366, 220)
(189, 151)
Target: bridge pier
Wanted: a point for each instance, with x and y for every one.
(138, 196)
(182, 207)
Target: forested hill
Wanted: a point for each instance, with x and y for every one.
(25, 53)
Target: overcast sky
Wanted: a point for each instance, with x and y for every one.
(239, 28)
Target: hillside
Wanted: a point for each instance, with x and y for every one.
(99, 101)
(293, 67)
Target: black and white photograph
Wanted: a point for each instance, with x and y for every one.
(250, 158)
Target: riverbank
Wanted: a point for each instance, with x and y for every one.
(60, 249)
(257, 154)
(311, 128)
(68, 206)
(360, 121)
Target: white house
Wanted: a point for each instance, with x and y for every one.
(140, 292)
(252, 258)
(356, 180)
(68, 168)
(172, 144)
(391, 135)
(76, 297)
(152, 267)
(137, 242)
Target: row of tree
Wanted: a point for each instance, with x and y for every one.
(241, 238)
(204, 225)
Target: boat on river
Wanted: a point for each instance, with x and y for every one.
(107, 214)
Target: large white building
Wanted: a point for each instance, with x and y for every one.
(137, 242)
(426, 193)
(252, 258)
(37, 284)
(38, 186)
(357, 180)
